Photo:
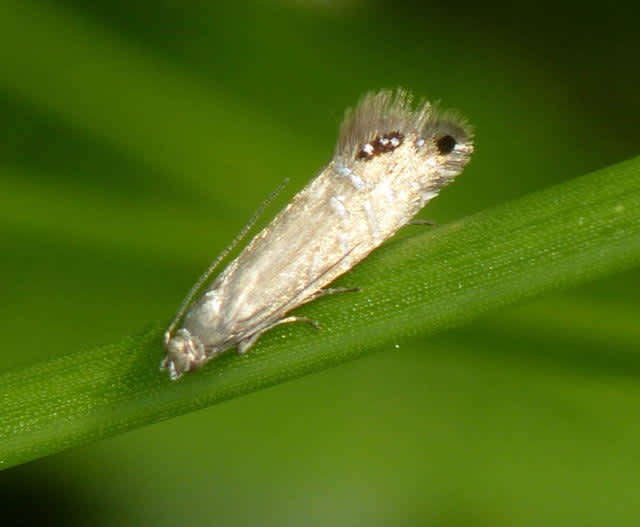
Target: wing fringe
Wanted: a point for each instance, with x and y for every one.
(387, 111)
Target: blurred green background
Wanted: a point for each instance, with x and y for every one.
(136, 140)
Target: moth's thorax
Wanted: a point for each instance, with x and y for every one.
(205, 313)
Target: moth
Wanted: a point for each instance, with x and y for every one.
(391, 158)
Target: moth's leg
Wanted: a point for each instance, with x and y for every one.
(333, 291)
(246, 344)
(287, 320)
(164, 364)
(418, 221)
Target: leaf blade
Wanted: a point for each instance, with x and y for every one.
(422, 284)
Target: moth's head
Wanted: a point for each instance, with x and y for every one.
(185, 353)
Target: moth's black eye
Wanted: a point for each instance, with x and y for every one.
(445, 144)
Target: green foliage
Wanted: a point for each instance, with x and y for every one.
(136, 138)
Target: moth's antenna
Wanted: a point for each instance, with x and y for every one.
(207, 274)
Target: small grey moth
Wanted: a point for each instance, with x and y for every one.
(390, 160)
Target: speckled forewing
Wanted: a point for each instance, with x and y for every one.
(389, 161)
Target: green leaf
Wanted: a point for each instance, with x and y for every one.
(421, 284)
